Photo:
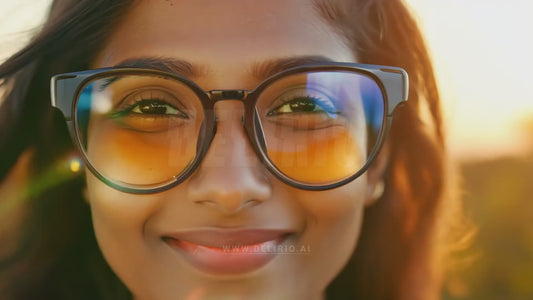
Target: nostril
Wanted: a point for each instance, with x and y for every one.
(251, 203)
(206, 202)
(229, 206)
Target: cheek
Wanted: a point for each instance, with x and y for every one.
(334, 220)
(116, 211)
(119, 220)
(332, 206)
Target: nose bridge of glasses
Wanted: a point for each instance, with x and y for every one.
(220, 95)
(231, 142)
(230, 95)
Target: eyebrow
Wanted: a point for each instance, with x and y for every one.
(268, 68)
(260, 70)
(170, 65)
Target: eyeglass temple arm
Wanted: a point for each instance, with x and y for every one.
(396, 84)
(63, 89)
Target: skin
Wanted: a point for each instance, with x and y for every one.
(231, 188)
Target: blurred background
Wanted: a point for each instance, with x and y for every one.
(483, 55)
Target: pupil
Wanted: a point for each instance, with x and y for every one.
(152, 108)
(302, 105)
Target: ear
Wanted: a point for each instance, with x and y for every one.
(375, 180)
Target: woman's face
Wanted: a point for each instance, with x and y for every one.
(170, 245)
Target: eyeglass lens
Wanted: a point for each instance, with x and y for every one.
(318, 127)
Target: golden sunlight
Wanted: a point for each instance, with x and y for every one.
(482, 53)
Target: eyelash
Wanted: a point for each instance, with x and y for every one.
(139, 99)
(326, 106)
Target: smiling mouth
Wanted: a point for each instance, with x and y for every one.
(228, 252)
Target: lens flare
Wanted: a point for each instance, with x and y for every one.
(75, 165)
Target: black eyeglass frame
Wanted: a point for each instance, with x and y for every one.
(66, 89)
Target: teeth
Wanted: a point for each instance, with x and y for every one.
(230, 244)
(236, 247)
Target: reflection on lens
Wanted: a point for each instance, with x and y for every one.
(320, 127)
(138, 129)
(334, 155)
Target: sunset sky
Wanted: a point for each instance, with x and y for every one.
(483, 53)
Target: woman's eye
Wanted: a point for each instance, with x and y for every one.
(303, 105)
(156, 107)
(152, 108)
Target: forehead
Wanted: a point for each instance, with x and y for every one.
(223, 35)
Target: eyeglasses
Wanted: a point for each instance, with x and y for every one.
(315, 127)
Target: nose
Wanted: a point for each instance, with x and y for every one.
(230, 177)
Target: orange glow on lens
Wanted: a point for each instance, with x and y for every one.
(141, 158)
(323, 159)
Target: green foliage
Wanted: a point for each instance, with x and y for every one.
(498, 198)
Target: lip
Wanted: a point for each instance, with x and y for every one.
(228, 251)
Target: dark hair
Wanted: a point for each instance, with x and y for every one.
(57, 254)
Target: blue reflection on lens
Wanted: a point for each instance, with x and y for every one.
(372, 98)
(83, 111)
